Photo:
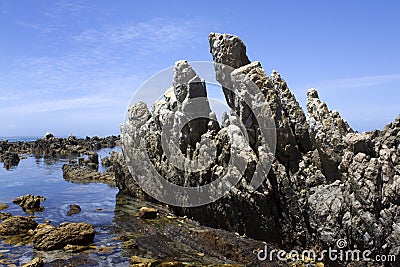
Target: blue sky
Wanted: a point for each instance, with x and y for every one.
(73, 66)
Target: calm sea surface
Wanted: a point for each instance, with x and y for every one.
(37, 176)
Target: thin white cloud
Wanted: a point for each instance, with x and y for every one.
(97, 73)
(42, 28)
(61, 8)
(359, 82)
(58, 105)
(158, 34)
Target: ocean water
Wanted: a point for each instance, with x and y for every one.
(20, 138)
(38, 176)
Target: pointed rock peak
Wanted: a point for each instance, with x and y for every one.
(183, 73)
(312, 93)
(275, 74)
(228, 49)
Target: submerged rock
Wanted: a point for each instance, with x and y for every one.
(49, 237)
(73, 209)
(36, 262)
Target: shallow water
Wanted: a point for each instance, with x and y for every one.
(120, 233)
(37, 176)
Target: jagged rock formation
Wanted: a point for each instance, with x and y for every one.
(327, 182)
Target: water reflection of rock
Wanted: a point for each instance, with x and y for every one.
(177, 238)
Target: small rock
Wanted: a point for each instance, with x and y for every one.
(3, 206)
(30, 203)
(106, 250)
(147, 213)
(171, 263)
(129, 244)
(36, 262)
(75, 248)
(138, 260)
(73, 209)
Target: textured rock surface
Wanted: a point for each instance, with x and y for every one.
(10, 159)
(327, 182)
(30, 203)
(83, 174)
(15, 225)
(49, 237)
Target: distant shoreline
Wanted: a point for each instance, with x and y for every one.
(32, 138)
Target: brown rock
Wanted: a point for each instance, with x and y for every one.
(36, 262)
(75, 248)
(73, 209)
(15, 225)
(3, 206)
(5, 215)
(147, 213)
(30, 203)
(52, 238)
(143, 261)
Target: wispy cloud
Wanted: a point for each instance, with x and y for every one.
(96, 71)
(57, 105)
(359, 82)
(159, 34)
(42, 28)
(62, 8)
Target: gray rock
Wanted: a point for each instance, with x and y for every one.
(359, 143)
(326, 181)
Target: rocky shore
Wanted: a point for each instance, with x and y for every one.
(326, 183)
(51, 147)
